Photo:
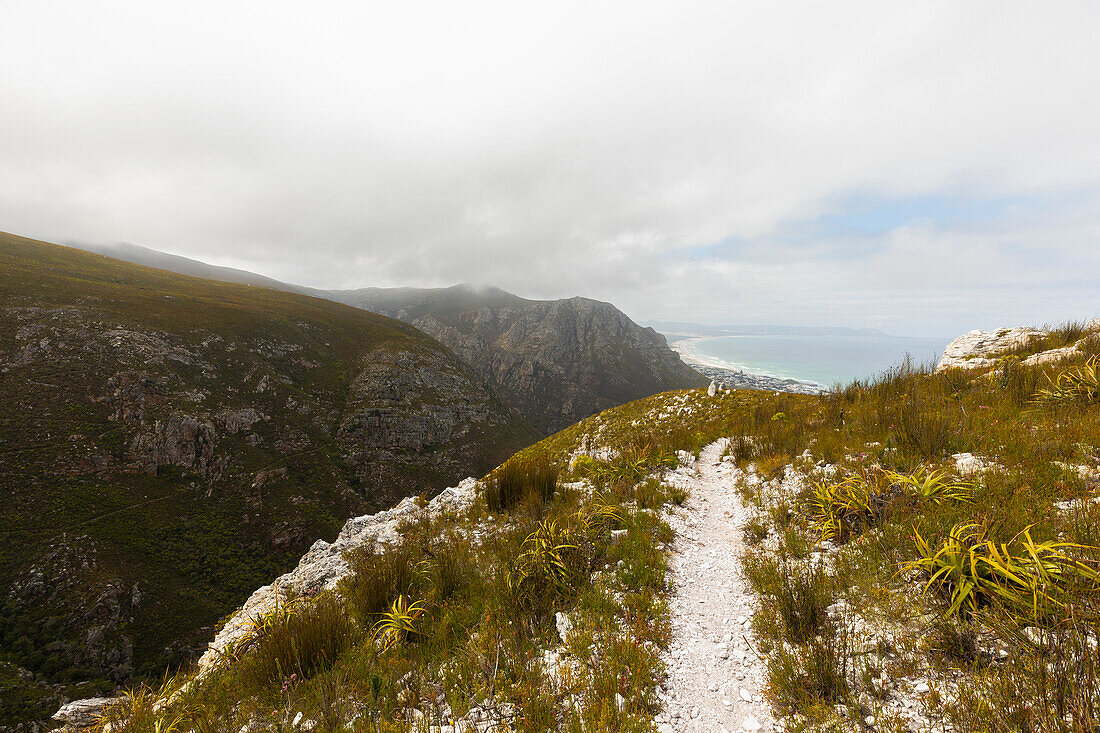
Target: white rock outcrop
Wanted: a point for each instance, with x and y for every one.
(82, 714)
(975, 349)
(979, 349)
(323, 566)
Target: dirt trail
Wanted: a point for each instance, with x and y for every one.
(715, 679)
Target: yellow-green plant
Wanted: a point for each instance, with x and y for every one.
(399, 623)
(833, 509)
(1034, 580)
(543, 556)
(601, 512)
(1079, 384)
(934, 487)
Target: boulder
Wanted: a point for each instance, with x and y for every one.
(85, 713)
(977, 349)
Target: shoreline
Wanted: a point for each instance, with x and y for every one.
(725, 375)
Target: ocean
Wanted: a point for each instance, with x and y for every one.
(823, 359)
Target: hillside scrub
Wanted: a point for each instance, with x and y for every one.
(856, 493)
(458, 621)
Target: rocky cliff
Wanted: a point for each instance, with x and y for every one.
(556, 361)
(167, 444)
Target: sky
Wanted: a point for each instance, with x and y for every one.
(922, 168)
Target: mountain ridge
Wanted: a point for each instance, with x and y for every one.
(556, 361)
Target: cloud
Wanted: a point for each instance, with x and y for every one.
(802, 163)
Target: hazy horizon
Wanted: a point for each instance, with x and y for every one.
(919, 169)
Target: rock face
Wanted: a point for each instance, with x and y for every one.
(556, 362)
(979, 349)
(168, 444)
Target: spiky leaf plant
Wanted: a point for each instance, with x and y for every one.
(399, 623)
(934, 487)
(602, 512)
(1033, 580)
(832, 510)
(543, 557)
(1080, 384)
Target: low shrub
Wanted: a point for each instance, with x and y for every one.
(299, 639)
(521, 479)
(378, 577)
(801, 678)
(796, 594)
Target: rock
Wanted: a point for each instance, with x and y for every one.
(752, 724)
(967, 464)
(711, 390)
(745, 695)
(620, 702)
(976, 349)
(921, 687)
(1052, 355)
(85, 713)
(564, 625)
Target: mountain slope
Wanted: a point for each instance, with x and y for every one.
(184, 265)
(556, 361)
(168, 443)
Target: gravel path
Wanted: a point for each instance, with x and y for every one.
(715, 680)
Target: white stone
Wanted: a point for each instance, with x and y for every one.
(745, 695)
(564, 625)
(1051, 356)
(967, 464)
(752, 724)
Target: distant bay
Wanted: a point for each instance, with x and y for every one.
(824, 359)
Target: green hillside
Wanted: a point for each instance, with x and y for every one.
(167, 444)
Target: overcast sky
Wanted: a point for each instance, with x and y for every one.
(924, 168)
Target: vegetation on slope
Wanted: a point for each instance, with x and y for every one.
(169, 443)
(459, 621)
(860, 627)
(860, 505)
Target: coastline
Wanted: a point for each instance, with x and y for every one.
(726, 375)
